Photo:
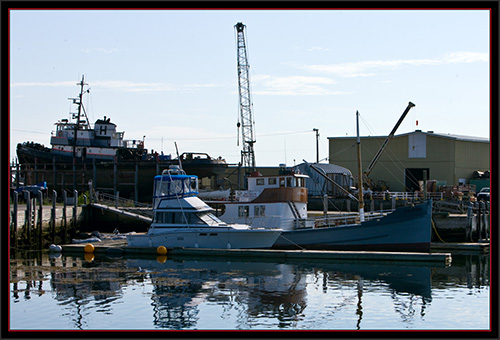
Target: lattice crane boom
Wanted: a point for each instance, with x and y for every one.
(245, 102)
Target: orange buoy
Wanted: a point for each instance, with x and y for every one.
(89, 248)
(89, 257)
(161, 250)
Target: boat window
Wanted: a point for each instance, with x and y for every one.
(243, 211)
(209, 218)
(289, 182)
(282, 182)
(272, 181)
(171, 217)
(299, 182)
(260, 181)
(259, 210)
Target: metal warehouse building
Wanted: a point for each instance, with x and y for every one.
(318, 186)
(448, 159)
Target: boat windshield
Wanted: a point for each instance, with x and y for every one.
(176, 187)
(187, 217)
(209, 218)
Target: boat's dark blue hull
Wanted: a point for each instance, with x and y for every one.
(405, 229)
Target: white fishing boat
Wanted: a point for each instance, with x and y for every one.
(181, 219)
(281, 202)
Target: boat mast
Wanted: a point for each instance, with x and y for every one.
(384, 145)
(360, 175)
(77, 125)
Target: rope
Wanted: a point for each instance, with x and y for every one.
(435, 230)
(286, 238)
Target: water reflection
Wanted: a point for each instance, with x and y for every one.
(184, 292)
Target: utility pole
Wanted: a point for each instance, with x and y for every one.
(317, 144)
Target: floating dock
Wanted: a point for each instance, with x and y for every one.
(461, 247)
(120, 248)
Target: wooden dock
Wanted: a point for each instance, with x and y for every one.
(120, 248)
(461, 247)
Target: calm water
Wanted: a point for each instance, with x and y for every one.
(159, 293)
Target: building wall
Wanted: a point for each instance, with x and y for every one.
(447, 159)
(477, 158)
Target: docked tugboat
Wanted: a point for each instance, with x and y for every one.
(98, 150)
(181, 219)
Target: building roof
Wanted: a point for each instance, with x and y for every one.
(326, 167)
(429, 133)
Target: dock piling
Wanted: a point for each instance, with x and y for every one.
(53, 216)
(27, 214)
(64, 222)
(75, 207)
(40, 217)
(14, 218)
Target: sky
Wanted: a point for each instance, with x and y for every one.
(171, 76)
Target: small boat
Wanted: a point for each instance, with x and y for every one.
(182, 219)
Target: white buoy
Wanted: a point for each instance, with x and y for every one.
(55, 248)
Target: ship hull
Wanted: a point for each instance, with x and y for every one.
(133, 179)
(405, 229)
(207, 238)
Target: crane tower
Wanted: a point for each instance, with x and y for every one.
(245, 102)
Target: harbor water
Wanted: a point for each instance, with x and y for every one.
(159, 293)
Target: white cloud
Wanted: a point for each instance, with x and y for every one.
(318, 48)
(125, 86)
(369, 68)
(40, 84)
(100, 50)
(293, 85)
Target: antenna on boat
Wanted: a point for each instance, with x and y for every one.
(360, 174)
(178, 157)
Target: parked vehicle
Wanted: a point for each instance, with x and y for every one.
(483, 194)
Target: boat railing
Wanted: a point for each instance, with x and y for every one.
(270, 222)
(332, 220)
(381, 195)
(124, 204)
(133, 143)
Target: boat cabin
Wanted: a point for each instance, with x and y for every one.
(174, 183)
(176, 204)
(289, 186)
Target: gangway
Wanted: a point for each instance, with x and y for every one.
(122, 206)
